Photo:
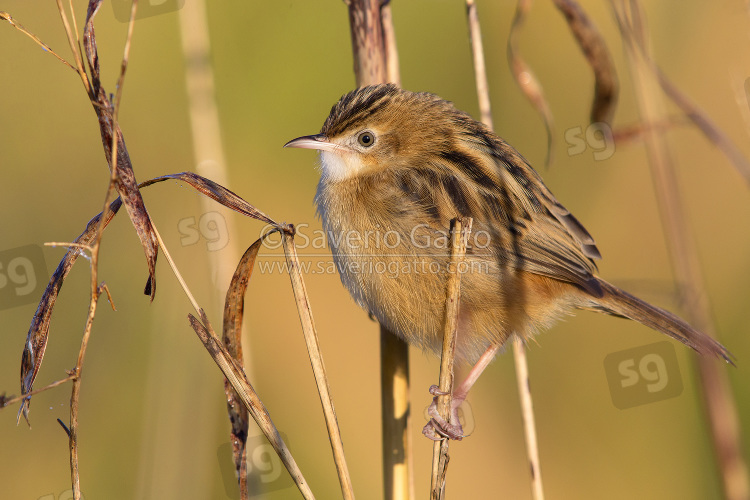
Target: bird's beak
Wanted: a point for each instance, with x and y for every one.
(318, 141)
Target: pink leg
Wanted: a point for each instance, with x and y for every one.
(438, 428)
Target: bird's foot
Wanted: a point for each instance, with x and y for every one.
(438, 428)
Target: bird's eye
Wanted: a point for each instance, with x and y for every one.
(366, 139)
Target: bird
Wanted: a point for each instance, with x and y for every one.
(395, 168)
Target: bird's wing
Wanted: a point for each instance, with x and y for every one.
(527, 227)
(551, 241)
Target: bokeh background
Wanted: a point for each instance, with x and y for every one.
(153, 421)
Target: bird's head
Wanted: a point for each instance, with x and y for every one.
(382, 127)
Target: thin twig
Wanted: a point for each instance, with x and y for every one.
(17, 399)
(96, 289)
(480, 71)
(519, 350)
(79, 60)
(121, 79)
(529, 422)
(461, 227)
(76, 390)
(316, 360)
(717, 396)
(177, 272)
(7, 17)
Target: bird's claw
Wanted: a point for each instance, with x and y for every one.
(438, 428)
(435, 391)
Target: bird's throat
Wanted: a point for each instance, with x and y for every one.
(336, 167)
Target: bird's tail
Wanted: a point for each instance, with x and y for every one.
(620, 303)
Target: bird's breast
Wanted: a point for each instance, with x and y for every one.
(392, 263)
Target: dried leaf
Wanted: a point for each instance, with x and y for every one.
(89, 44)
(232, 336)
(36, 340)
(595, 50)
(216, 192)
(125, 182)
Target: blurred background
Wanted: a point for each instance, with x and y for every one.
(152, 417)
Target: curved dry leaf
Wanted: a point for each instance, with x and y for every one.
(595, 50)
(128, 190)
(525, 78)
(234, 307)
(36, 339)
(125, 182)
(216, 192)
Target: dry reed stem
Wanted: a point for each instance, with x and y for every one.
(368, 45)
(529, 422)
(460, 229)
(316, 360)
(519, 349)
(376, 61)
(717, 397)
(480, 71)
(398, 481)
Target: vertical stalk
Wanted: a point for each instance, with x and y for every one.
(519, 349)
(460, 229)
(376, 61)
(316, 360)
